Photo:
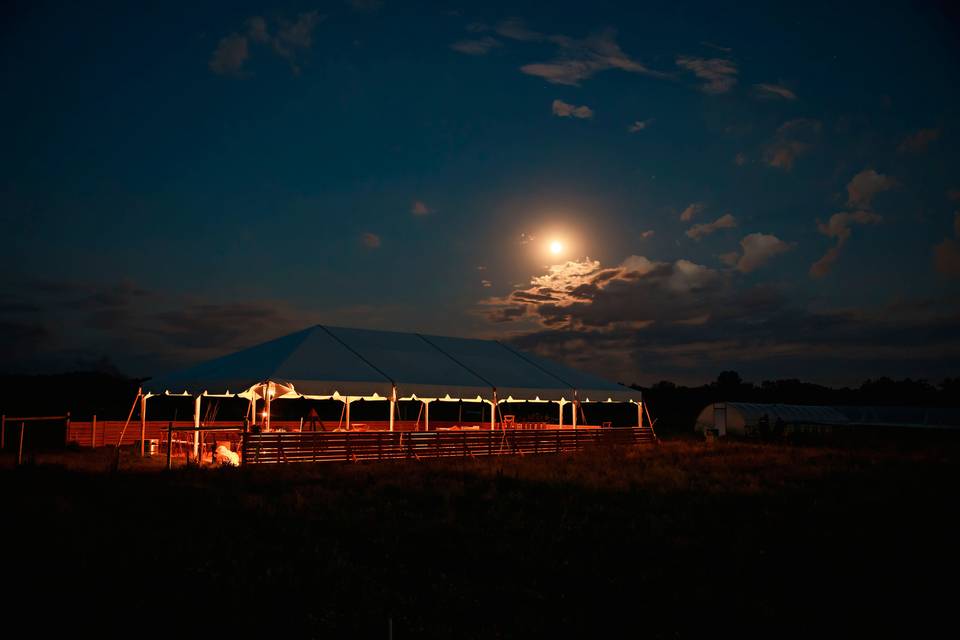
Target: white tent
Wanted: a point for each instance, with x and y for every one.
(345, 364)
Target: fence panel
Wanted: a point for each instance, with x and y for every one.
(286, 447)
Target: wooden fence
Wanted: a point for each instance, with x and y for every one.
(101, 433)
(286, 447)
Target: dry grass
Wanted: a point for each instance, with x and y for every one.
(663, 542)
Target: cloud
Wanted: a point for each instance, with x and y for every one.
(514, 29)
(692, 210)
(69, 325)
(370, 240)
(865, 185)
(288, 40)
(584, 294)
(229, 56)
(793, 139)
(919, 141)
(639, 125)
(578, 59)
(419, 208)
(759, 332)
(717, 46)
(646, 235)
(946, 255)
(758, 249)
(719, 75)
(478, 47)
(566, 110)
(774, 91)
(946, 258)
(839, 227)
(698, 231)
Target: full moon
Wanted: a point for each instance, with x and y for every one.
(556, 247)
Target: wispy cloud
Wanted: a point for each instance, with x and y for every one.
(692, 210)
(718, 74)
(756, 250)
(577, 59)
(420, 208)
(865, 186)
(717, 46)
(774, 91)
(698, 231)
(946, 254)
(839, 226)
(793, 139)
(639, 125)
(229, 56)
(567, 110)
(918, 141)
(285, 38)
(476, 47)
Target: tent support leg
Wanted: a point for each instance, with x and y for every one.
(560, 421)
(347, 401)
(393, 405)
(143, 422)
(426, 415)
(575, 403)
(196, 428)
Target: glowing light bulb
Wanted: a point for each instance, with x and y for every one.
(556, 247)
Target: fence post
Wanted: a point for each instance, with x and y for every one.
(66, 430)
(170, 445)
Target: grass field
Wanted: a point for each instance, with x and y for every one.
(671, 541)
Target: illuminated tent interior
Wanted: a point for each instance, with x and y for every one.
(351, 365)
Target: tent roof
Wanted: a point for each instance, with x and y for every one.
(323, 361)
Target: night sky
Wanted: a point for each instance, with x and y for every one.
(772, 188)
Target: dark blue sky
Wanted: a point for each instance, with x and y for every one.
(769, 189)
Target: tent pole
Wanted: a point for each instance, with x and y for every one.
(196, 428)
(143, 421)
(266, 407)
(393, 405)
(575, 405)
(560, 424)
(133, 408)
(347, 402)
(493, 411)
(640, 415)
(253, 408)
(426, 415)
